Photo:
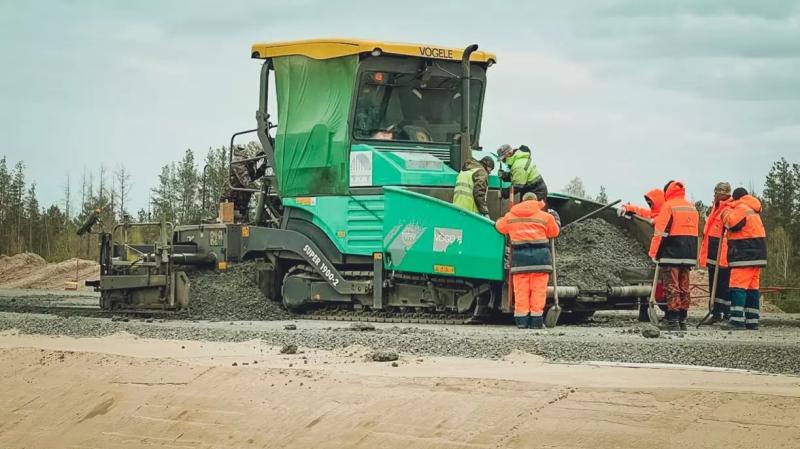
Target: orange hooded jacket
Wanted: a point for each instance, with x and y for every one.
(530, 229)
(712, 233)
(675, 235)
(745, 243)
(655, 198)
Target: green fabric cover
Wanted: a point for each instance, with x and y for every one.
(311, 144)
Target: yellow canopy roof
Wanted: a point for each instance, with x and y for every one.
(335, 48)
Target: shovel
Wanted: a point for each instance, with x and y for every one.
(591, 214)
(510, 256)
(651, 306)
(714, 284)
(554, 312)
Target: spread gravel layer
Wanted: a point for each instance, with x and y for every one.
(774, 349)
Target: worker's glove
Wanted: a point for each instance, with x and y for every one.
(626, 210)
(555, 215)
(504, 175)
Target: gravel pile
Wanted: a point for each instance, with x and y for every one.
(231, 295)
(778, 353)
(594, 253)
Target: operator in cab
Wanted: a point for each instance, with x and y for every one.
(472, 186)
(245, 170)
(522, 174)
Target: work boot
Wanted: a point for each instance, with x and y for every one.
(670, 322)
(715, 318)
(537, 322)
(732, 327)
(751, 327)
(669, 325)
(522, 322)
(683, 315)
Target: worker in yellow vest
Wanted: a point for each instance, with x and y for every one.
(523, 173)
(472, 186)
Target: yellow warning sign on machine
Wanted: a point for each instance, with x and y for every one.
(444, 269)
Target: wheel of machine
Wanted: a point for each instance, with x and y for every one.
(295, 292)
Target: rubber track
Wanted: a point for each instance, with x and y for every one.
(368, 317)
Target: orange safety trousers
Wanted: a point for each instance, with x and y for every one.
(746, 278)
(530, 293)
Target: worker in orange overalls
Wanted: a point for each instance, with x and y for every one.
(744, 250)
(674, 248)
(530, 229)
(712, 232)
(654, 199)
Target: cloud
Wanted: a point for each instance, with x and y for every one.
(622, 93)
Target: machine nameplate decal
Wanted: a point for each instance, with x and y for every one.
(322, 267)
(360, 168)
(403, 241)
(216, 237)
(444, 237)
(432, 52)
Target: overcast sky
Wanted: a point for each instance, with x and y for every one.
(627, 94)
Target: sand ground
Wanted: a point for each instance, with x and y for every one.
(122, 391)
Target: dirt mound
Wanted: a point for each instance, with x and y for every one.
(29, 270)
(12, 267)
(594, 254)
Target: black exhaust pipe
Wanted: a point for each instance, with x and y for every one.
(466, 139)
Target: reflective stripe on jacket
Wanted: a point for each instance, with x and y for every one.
(711, 234)
(530, 229)
(675, 235)
(462, 194)
(523, 170)
(745, 243)
(472, 188)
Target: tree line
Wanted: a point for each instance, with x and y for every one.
(187, 192)
(50, 231)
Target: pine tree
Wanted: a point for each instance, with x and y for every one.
(602, 197)
(123, 177)
(575, 188)
(32, 220)
(186, 189)
(781, 194)
(5, 191)
(163, 200)
(67, 197)
(17, 206)
(216, 179)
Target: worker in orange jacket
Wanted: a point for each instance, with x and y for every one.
(654, 199)
(744, 250)
(709, 247)
(674, 248)
(530, 229)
